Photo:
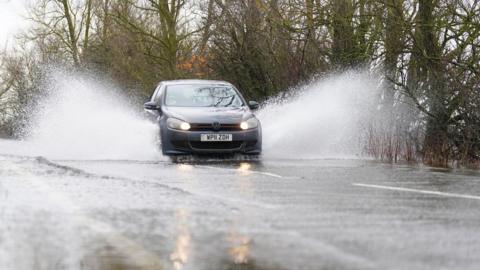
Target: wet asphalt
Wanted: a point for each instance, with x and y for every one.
(217, 214)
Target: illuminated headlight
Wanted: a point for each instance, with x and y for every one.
(177, 124)
(249, 124)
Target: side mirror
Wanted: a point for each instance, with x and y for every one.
(151, 106)
(253, 105)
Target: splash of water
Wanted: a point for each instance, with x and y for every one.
(324, 119)
(83, 118)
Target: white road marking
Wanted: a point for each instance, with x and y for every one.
(246, 171)
(430, 192)
(268, 174)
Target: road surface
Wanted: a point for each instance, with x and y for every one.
(213, 214)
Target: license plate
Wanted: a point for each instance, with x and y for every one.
(216, 137)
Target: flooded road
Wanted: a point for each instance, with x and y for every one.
(267, 214)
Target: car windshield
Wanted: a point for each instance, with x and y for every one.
(185, 95)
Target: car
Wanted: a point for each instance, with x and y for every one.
(204, 117)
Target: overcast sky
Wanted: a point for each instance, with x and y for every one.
(12, 20)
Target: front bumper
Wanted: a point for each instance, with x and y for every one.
(176, 142)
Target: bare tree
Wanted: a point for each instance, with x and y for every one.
(61, 24)
(161, 28)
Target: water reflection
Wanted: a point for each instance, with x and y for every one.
(244, 183)
(239, 247)
(179, 256)
(245, 168)
(185, 167)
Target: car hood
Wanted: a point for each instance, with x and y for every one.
(209, 114)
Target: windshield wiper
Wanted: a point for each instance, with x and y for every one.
(223, 98)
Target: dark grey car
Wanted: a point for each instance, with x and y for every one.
(204, 117)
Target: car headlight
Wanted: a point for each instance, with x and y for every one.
(177, 124)
(249, 124)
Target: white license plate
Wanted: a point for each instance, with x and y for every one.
(216, 137)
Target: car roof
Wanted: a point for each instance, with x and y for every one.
(194, 81)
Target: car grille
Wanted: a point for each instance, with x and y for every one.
(209, 127)
(216, 145)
